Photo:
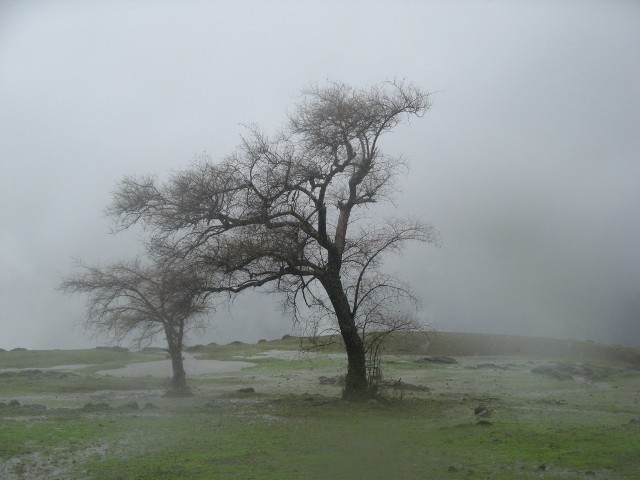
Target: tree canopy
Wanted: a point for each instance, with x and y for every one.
(283, 210)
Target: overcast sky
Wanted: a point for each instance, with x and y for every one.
(528, 162)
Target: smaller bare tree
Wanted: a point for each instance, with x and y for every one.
(141, 301)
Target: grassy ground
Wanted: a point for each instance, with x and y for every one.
(292, 426)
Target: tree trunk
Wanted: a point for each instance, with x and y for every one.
(356, 387)
(179, 380)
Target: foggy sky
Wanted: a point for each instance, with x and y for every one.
(527, 162)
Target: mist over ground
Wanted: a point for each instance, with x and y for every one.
(527, 162)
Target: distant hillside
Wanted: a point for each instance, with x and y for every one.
(469, 344)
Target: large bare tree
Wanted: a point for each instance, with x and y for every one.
(288, 210)
(142, 301)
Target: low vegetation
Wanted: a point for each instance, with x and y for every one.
(472, 410)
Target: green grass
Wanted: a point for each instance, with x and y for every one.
(293, 427)
(103, 358)
(74, 383)
(294, 438)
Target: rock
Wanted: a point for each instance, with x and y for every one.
(210, 404)
(34, 407)
(438, 359)
(133, 405)
(590, 473)
(14, 403)
(484, 423)
(149, 406)
(481, 410)
(246, 390)
(634, 421)
(452, 469)
(541, 468)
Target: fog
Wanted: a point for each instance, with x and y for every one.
(527, 162)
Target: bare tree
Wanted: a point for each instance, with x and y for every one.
(283, 210)
(131, 299)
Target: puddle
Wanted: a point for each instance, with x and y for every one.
(162, 368)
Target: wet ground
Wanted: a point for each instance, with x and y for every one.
(162, 368)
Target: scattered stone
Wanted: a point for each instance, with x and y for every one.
(634, 421)
(541, 468)
(438, 359)
(246, 390)
(481, 410)
(14, 403)
(484, 423)
(133, 405)
(590, 473)
(149, 406)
